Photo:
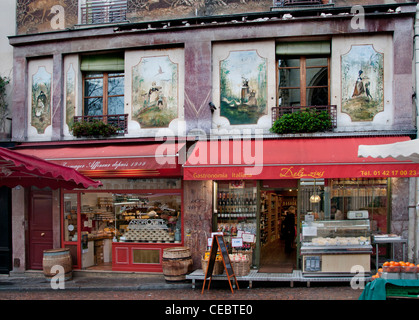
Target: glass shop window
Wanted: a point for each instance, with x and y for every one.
(361, 199)
(70, 217)
(150, 217)
(346, 199)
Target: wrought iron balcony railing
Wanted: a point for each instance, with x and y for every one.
(102, 11)
(278, 112)
(120, 121)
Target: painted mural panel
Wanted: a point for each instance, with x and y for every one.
(151, 10)
(33, 16)
(243, 87)
(70, 101)
(362, 83)
(41, 100)
(155, 96)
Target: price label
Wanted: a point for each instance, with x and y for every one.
(236, 242)
(248, 237)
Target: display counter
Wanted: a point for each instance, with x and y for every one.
(334, 247)
(138, 257)
(142, 244)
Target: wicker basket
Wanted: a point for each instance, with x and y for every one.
(218, 266)
(241, 268)
(249, 254)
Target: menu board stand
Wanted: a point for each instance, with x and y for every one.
(218, 243)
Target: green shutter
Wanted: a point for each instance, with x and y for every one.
(103, 62)
(303, 48)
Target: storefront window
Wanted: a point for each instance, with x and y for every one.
(70, 217)
(361, 199)
(133, 215)
(123, 213)
(313, 198)
(346, 199)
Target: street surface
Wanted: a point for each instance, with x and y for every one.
(259, 302)
(277, 292)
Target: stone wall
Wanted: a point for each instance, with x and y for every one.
(399, 212)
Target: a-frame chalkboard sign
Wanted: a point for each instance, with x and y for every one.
(218, 242)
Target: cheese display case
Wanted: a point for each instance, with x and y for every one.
(334, 247)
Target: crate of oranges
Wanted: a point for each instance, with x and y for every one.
(408, 267)
(399, 266)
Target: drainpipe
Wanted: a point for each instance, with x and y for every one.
(414, 212)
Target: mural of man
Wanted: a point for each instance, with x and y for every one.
(367, 88)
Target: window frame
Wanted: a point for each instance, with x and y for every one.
(303, 77)
(105, 75)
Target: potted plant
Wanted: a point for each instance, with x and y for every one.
(305, 121)
(93, 128)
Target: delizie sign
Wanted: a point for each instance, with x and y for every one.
(313, 158)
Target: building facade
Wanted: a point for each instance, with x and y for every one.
(195, 90)
(6, 86)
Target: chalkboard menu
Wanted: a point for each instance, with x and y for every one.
(218, 243)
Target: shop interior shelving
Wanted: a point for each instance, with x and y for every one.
(271, 206)
(236, 208)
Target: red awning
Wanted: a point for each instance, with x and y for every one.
(140, 160)
(293, 159)
(18, 169)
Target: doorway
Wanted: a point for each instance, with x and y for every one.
(40, 235)
(5, 230)
(278, 226)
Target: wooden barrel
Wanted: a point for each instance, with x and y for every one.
(177, 263)
(60, 257)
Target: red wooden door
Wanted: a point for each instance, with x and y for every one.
(40, 227)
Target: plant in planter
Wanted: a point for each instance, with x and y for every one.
(303, 122)
(93, 128)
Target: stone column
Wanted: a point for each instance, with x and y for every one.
(20, 102)
(57, 104)
(399, 211)
(197, 217)
(18, 230)
(198, 86)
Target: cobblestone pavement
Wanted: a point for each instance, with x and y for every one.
(125, 300)
(216, 292)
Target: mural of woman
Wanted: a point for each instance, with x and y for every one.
(363, 66)
(359, 85)
(41, 102)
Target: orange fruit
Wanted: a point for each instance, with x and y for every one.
(402, 264)
(386, 264)
(396, 264)
(380, 270)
